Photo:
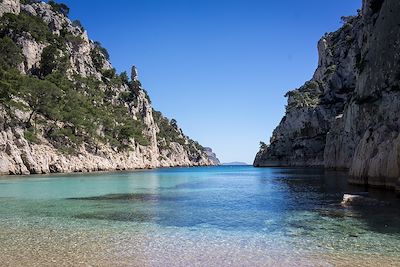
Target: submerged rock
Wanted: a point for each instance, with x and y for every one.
(353, 199)
(361, 199)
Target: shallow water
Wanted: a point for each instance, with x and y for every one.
(214, 216)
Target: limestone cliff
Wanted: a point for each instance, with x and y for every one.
(63, 108)
(212, 156)
(346, 116)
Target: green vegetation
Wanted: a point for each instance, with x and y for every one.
(42, 97)
(28, 2)
(10, 53)
(360, 62)
(31, 136)
(98, 55)
(109, 74)
(59, 7)
(347, 23)
(302, 98)
(263, 145)
(77, 23)
(53, 59)
(97, 59)
(48, 61)
(134, 89)
(167, 131)
(73, 109)
(349, 39)
(68, 37)
(124, 77)
(65, 108)
(11, 24)
(347, 19)
(331, 69)
(194, 147)
(58, 99)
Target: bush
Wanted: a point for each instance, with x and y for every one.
(8, 84)
(167, 131)
(102, 50)
(24, 22)
(127, 96)
(263, 145)
(124, 78)
(28, 2)
(76, 41)
(42, 97)
(48, 61)
(360, 62)
(99, 55)
(10, 53)
(77, 23)
(31, 136)
(109, 74)
(347, 19)
(59, 7)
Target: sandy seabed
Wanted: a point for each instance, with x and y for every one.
(31, 245)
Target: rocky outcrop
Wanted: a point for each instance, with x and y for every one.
(18, 156)
(9, 6)
(32, 52)
(23, 151)
(212, 156)
(346, 117)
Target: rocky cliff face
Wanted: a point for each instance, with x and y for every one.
(64, 109)
(346, 116)
(9, 6)
(212, 156)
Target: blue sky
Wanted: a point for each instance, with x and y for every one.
(219, 67)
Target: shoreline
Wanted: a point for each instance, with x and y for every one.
(94, 172)
(353, 181)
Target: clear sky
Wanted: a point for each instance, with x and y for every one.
(219, 67)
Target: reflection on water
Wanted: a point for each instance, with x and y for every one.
(212, 216)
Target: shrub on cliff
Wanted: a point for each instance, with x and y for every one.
(77, 23)
(59, 7)
(48, 61)
(10, 53)
(263, 145)
(11, 24)
(124, 77)
(42, 97)
(29, 2)
(167, 131)
(98, 55)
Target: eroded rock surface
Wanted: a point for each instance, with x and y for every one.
(346, 116)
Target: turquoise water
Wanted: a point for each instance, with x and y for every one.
(211, 216)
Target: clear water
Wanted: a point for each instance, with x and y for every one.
(212, 216)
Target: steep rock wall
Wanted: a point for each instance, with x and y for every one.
(349, 118)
